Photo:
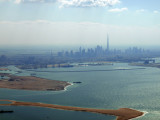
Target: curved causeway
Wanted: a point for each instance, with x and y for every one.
(122, 113)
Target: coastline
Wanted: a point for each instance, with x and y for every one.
(4, 69)
(70, 84)
(144, 113)
(157, 65)
(31, 83)
(121, 114)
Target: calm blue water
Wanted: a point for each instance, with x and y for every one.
(113, 87)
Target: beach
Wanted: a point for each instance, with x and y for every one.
(121, 114)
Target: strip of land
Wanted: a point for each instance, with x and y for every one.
(4, 69)
(31, 83)
(122, 113)
(157, 65)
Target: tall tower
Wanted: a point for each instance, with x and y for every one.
(107, 42)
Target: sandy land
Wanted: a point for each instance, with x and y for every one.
(4, 69)
(122, 113)
(31, 83)
(146, 65)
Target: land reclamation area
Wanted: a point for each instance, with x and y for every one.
(31, 83)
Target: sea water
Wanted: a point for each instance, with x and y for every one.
(105, 87)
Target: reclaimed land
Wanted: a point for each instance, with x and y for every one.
(4, 69)
(31, 83)
(157, 65)
(122, 113)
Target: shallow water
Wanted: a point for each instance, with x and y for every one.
(108, 87)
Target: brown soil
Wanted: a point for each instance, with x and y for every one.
(31, 83)
(122, 113)
(4, 69)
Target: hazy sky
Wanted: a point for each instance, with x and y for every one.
(79, 22)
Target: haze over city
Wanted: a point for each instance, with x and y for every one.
(79, 59)
(79, 22)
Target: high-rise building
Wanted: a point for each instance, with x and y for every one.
(107, 42)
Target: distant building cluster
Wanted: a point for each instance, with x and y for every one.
(134, 50)
(90, 52)
(63, 58)
(99, 51)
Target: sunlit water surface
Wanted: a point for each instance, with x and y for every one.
(107, 87)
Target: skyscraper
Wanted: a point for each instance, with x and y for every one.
(107, 42)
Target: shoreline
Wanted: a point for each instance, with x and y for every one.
(144, 113)
(155, 65)
(4, 69)
(121, 114)
(31, 83)
(65, 88)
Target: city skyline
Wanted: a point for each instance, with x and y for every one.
(107, 42)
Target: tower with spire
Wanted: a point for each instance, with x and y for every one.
(107, 42)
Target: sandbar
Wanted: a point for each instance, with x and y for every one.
(31, 83)
(122, 113)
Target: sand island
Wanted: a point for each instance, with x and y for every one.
(35, 83)
(122, 113)
(31, 83)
